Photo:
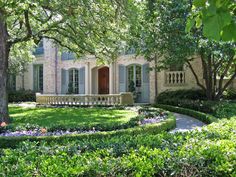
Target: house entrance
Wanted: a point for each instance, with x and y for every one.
(103, 80)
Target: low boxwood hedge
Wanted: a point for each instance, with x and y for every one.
(209, 152)
(206, 118)
(165, 125)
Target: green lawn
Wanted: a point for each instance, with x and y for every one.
(85, 118)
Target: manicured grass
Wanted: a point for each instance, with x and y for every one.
(69, 117)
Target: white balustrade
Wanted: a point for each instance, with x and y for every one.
(175, 78)
(83, 100)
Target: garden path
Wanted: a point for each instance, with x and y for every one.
(186, 123)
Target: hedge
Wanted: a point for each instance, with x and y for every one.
(209, 152)
(21, 96)
(206, 118)
(168, 124)
(191, 94)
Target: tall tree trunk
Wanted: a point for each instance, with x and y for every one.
(4, 55)
(210, 77)
(155, 70)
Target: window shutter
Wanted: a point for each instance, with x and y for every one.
(146, 84)
(82, 80)
(122, 78)
(64, 81)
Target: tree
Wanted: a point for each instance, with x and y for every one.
(217, 58)
(81, 26)
(217, 17)
(143, 32)
(176, 47)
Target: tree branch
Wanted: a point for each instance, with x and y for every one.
(229, 64)
(196, 77)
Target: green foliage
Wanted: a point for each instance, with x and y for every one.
(230, 94)
(20, 56)
(210, 152)
(132, 87)
(21, 96)
(216, 17)
(206, 118)
(70, 88)
(182, 94)
(195, 100)
(168, 44)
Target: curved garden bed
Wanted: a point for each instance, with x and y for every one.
(149, 120)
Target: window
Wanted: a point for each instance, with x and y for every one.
(176, 67)
(73, 87)
(39, 50)
(138, 76)
(134, 73)
(11, 82)
(38, 78)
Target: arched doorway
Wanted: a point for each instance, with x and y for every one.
(103, 80)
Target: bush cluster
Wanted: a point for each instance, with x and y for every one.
(206, 118)
(230, 94)
(182, 94)
(210, 152)
(21, 96)
(219, 109)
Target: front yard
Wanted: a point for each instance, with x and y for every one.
(144, 150)
(69, 118)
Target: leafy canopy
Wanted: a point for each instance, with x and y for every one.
(217, 17)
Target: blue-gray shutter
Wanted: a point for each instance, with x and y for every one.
(122, 78)
(64, 81)
(82, 80)
(145, 84)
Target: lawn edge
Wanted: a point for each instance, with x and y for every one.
(168, 124)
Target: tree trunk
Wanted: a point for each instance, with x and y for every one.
(4, 55)
(156, 85)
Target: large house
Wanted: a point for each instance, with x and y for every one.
(54, 73)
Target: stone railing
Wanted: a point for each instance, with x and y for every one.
(85, 100)
(175, 78)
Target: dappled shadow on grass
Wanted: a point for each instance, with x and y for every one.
(74, 117)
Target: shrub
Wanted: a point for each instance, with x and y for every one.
(206, 118)
(182, 94)
(21, 96)
(230, 94)
(210, 152)
(203, 106)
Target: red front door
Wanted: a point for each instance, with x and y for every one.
(103, 80)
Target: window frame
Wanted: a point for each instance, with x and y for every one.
(138, 83)
(74, 80)
(38, 77)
